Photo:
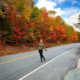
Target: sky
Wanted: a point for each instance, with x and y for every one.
(67, 9)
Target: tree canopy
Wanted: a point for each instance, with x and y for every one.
(22, 22)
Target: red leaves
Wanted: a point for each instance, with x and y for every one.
(18, 34)
(25, 26)
(37, 27)
(58, 33)
(45, 13)
(17, 30)
(61, 29)
(54, 36)
(15, 19)
(12, 16)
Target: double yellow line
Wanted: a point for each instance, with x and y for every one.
(16, 59)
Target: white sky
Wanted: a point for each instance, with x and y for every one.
(70, 15)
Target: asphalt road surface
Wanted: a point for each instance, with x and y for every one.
(27, 66)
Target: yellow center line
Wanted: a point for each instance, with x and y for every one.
(16, 59)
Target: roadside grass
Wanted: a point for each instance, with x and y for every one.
(8, 50)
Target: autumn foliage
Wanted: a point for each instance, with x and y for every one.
(26, 24)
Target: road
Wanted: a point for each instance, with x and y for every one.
(27, 66)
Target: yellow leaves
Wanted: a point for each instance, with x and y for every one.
(27, 13)
(20, 4)
(1, 13)
(23, 6)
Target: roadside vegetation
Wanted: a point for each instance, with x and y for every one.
(22, 25)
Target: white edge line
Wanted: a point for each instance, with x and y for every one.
(25, 76)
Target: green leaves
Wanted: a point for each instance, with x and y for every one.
(69, 30)
(32, 23)
(30, 30)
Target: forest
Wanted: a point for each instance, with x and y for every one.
(23, 24)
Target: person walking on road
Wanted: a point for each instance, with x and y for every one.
(41, 46)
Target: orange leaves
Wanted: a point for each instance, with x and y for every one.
(58, 33)
(44, 12)
(54, 36)
(29, 22)
(25, 26)
(61, 29)
(75, 36)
